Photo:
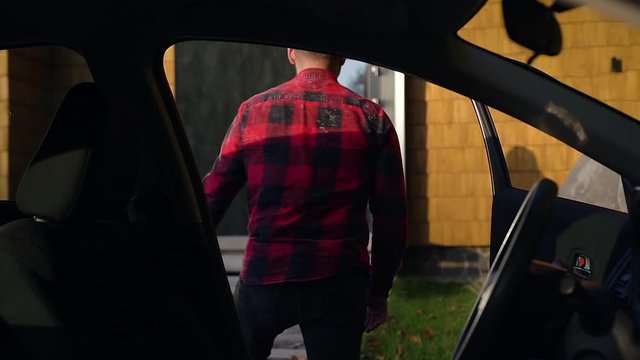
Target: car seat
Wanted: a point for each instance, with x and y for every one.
(77, 279)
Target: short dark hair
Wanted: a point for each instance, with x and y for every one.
(313, 54)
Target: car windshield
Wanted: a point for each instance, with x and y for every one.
(600, 54)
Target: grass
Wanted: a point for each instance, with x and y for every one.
(424, 322)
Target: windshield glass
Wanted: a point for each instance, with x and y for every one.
(599, 56)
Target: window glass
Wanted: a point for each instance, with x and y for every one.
(531, 154)
(599, 54)
(599, 58)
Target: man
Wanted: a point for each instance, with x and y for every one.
(313, 154)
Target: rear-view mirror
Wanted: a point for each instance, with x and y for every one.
(533, 25)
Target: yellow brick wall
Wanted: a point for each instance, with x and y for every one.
(170, 67)
(458, 185)
(4, 124)
(458, 190)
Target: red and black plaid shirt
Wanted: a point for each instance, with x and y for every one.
(313, 154)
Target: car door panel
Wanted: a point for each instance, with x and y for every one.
(575, 229)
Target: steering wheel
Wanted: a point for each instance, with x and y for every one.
(507, 273)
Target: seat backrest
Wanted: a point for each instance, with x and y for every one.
(72, 175)
(77, 280)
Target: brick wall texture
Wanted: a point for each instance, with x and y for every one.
(447, 177)
(4, 124)
(170, 68)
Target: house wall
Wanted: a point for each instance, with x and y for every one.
(170, 67)
(4, 124)
(448, 179)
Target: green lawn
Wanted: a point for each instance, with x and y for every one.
(425, 320)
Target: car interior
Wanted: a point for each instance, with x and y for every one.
(89, 258)
(108, 251)
(561, 231)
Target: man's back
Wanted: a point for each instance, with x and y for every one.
(310, 151)
(313, 154)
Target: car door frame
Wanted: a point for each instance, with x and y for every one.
(575, 229)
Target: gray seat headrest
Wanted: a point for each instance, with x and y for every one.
(52, 184)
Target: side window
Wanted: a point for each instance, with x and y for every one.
(33, 82)
(600, 65)
(531, 154)
(598, 54)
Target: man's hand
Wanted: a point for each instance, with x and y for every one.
(376, 313)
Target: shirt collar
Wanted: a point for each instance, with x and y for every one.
(315, 74)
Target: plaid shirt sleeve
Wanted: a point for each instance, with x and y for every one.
(228, 174)
(388, 205)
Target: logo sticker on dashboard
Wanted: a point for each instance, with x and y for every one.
(582, 266)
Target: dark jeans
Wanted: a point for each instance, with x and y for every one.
(331, 314)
